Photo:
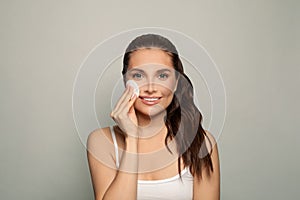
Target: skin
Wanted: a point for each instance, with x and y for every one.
(110, 183)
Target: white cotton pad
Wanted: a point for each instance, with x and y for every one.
(135, 86)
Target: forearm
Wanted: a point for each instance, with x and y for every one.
(124, 185)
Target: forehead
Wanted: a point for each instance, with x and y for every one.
(149, 56)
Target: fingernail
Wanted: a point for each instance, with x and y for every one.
(133, 96)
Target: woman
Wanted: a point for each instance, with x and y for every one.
(161, 150)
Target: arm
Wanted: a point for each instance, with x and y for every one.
(109, 183)
(208, 188)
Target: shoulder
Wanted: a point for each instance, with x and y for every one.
(210, 141)
(213, 149)
(99, 142)
(210, 135)
(208, 187)
(99, 134)
(102, 138)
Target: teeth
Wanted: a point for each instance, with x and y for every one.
(150, 99)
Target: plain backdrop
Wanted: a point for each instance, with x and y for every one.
(255, 45)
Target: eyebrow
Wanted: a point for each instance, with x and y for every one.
(162, 70)
(135, 69)
(159, 71)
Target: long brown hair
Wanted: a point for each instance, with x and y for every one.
(183, 119)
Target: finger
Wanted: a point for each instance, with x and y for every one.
(131, 102)
(125, 104)
(121, 99)
(124, 108)
(127, 108)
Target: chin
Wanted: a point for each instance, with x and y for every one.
(150, 111)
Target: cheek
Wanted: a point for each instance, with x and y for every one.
(170, 84)
(168, 96)
(167, 92)
(168, 88)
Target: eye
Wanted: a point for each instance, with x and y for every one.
(137, 76)
(163, 76)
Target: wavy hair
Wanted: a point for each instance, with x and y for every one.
(183, 119)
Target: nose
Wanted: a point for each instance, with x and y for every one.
(150, 87)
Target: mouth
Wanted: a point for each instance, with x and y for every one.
(150, 100)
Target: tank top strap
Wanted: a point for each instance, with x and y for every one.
(116, 146)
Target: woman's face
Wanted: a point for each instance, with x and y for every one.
(153, 71)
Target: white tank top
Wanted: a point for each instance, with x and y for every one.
(165, 189)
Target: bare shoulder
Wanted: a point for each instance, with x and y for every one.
(208, 187)
(102, 138)
(99, 143)
(210, 141)
(98, 136)
(100, 155)
(212, 146)
(210, 136)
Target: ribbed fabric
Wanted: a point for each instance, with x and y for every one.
(165, 189)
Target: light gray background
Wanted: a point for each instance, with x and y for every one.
(254, 43)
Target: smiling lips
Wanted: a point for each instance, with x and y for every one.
(150, 100)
